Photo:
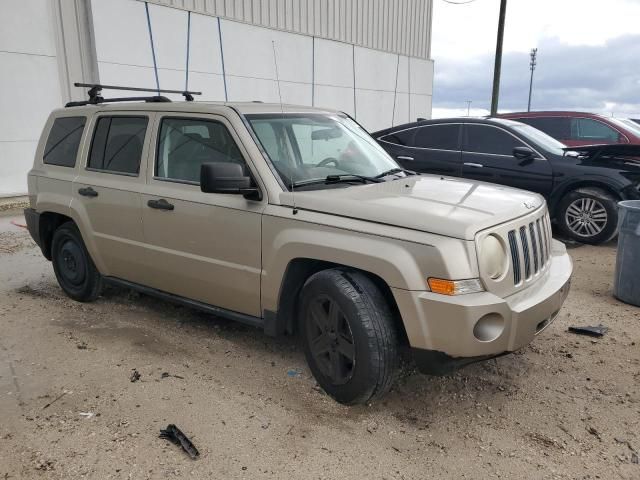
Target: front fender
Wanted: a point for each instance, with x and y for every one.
(401, 264)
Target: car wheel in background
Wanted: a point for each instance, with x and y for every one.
(588, 215)
(72, 264)
(349, 335)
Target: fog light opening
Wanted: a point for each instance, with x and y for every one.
(489, 327)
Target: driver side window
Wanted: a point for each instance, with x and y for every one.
(184, 144)
(490, 140)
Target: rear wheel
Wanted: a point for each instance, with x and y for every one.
(349, 336)
(588, 215)
(74, 269)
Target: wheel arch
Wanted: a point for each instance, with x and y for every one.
(298, 271)
(568, 187)
(49, 222)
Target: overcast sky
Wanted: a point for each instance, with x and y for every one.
(588, 56)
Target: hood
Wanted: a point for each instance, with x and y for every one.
(454, 207)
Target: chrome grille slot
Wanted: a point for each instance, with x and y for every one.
(546, 221)
(515, 257)
(525, 251)
(534, 247)
(543, 250)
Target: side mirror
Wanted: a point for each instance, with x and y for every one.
(523, 153)
(226, 177)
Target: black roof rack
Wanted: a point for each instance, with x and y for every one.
(95, 97)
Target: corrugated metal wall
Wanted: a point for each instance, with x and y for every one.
(398, 26)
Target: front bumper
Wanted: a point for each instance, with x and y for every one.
(448, 332)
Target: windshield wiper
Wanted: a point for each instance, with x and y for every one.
(342, 178)
(395, 170)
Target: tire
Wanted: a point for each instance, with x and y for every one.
(588, 215)
(72, 264)
(343, 313)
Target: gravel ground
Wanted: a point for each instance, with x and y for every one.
(567, 406)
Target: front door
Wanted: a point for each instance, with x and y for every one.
(202, 246)
(487, 155)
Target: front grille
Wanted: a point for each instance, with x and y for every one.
(530, 245)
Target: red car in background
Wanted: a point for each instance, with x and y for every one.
(579, 128)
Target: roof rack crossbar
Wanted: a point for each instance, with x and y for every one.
(151, 99)
(95, 97)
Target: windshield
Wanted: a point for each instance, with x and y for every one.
(305, 148)
(545, 141)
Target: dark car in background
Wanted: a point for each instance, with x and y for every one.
(580, 128)
(582, 185)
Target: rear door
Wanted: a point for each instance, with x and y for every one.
(107, 192)
(487, 155)
(427, 148)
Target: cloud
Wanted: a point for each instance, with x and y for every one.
(600, 78)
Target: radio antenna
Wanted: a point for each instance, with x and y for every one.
(275, 62)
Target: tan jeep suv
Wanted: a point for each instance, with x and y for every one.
(293, 219)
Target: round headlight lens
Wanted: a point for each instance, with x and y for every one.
(493, 258)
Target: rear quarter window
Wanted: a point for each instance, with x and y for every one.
(63, 141)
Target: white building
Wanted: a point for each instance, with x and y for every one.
(369, 58)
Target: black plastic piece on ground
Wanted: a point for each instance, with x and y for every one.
(175, 436)
(598, 331)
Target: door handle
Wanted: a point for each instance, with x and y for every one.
(161, 204)
(87, 192)
(474, 165)
(403, 157)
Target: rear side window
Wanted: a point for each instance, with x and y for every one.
(442, 137)
(186, 143)
(63, 142)
(491, 140)
(117, 144)
(403, 137)
(556, 127)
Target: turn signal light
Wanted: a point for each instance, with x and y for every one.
(454, 287)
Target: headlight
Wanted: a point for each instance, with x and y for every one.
(492, 257)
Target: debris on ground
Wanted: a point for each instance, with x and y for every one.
(175, 436)
(597, 331)
(135, 375)
(167, 375)
(294, 372)
(594, 432)
(87, 414)
(64, 392)
(21, 225)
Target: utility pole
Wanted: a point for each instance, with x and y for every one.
(498, 61)
(468, 106)
(532, 66)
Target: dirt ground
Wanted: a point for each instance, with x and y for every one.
(567, 406)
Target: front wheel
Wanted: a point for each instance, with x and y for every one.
(72, 264)
(588, 215)
(349, 335)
